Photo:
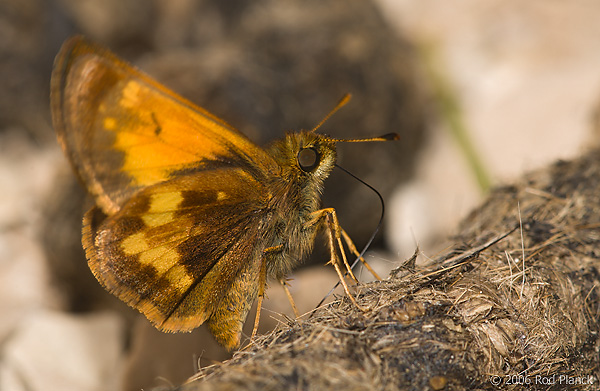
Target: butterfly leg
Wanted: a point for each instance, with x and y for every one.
(262, 282)
(328, 217)
(285, 284)
(353, 249)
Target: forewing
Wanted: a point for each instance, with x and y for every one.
(123, 131)
(174, 250)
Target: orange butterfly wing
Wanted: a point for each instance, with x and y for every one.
(123, 131)
(179, 192)
(174, 250)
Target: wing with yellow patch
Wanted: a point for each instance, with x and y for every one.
(123, 131)
(176, 248)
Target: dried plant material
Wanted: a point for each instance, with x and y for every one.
(478, 317)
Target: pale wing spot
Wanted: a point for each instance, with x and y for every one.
(161, 202)
(162, 258)
(161, 207)
(134, 244)
(180, 278)
(165, 260)
(221, 195)
(129, 96)
(110, 123)
(157, 219)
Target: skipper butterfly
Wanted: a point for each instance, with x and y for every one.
(191, 217)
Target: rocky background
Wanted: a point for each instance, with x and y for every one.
(480, 92)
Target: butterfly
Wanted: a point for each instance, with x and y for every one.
(191, 218)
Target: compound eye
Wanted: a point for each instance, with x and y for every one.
(308, 159)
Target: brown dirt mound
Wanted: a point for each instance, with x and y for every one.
(515, 302)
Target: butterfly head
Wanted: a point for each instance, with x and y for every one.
(305, 156)
(310, 156)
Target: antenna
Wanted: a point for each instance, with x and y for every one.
(345, 99)
(385, 137)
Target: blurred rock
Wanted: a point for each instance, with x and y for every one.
(25, 60)
(526, 81)
(24, 276)
(53, 351)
